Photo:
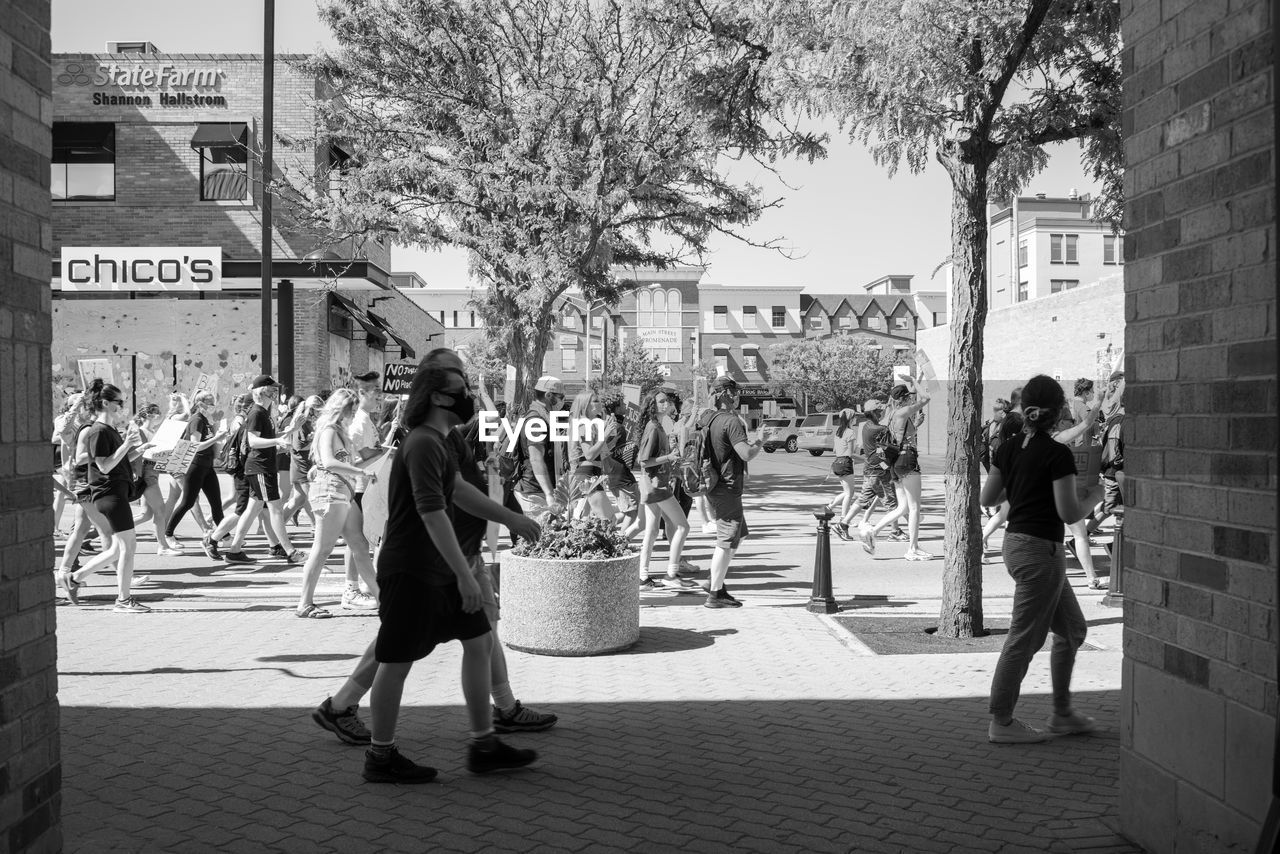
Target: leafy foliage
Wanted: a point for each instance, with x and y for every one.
(550, 138)
(564, 538)
(835, 373)
(632, 364)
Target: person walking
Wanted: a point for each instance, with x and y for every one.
(538, 468)
(429, 594)
(300, 441)
(842, 466)
(622, 480)
(586, 453)
(86, 517)
(365, 444)
(729, 453)
(877, 474)
(200, 478)
(110, 478)
(655, 460)
(148, 420)
(1037, 476)
(260, 477)
(903, 420)
(332, 493)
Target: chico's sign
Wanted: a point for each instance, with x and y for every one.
(146, 268)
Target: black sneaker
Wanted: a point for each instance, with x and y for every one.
(497, 756)
(725, 594)
(237, 557)
(346, 725)
(210, 548)
(278, 551)
(522, 720)
(721, 599)
(395, 769)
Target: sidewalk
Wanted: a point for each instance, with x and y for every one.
(760, 728)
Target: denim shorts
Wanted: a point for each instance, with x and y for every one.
(327, 489)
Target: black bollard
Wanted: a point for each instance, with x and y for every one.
(821, 601)
(1115, 589)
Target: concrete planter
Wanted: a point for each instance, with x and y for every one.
(569, 607)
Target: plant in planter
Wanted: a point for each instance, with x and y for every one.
(574, 591)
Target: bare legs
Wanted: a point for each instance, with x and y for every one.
(669, 510)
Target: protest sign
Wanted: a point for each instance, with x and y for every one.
(375, 503)
(398, 377)
(178, 461)
(92, 369)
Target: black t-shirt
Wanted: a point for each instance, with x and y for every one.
(528, 484)
(199, 430)
(725, 431)
(470, 529)
(1028, 475)
(302, 439)
(103, 441)
(260, 460)
(421, 481)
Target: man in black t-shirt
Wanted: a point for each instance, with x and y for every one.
(261, 476)
(538, 468)
(730, 452)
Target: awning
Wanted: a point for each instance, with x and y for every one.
(406, 351)
(358, 315)
(749, 347)
(720, 346)
(220, 135)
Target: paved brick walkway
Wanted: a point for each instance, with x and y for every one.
(761, 728)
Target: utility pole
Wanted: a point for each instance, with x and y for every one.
(268, 109)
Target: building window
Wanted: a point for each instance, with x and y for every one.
(901, 323)
(722, 364)
(749, 317)
(1063, 248)
(749, 362)
(1057, 286)
(570, 319)
(568, 360)
(84, 162)
(721, 317)
(597, 360)
(1022, 292)
(846, 322)
(472, 315)
(644, 309)
(674, 310)
(1022, 253)
(815, 322)
(597, 321)
(779, 317)
(1111, 253)
(873, 322)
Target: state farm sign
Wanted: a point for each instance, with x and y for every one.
(145, 268)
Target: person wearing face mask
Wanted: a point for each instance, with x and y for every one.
(537, 458)
(429, 593)
(200, 477)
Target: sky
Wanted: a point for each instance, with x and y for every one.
(844, 221)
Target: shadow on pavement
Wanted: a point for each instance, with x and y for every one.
(820, 775)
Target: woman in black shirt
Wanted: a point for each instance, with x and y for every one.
(201, 477)
(1037, 475)
(110, 477)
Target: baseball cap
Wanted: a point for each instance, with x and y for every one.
(263, 381)
(549, 384)
(899, 391)
(872, 405)
(724, 384)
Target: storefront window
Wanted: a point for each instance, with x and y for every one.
(84, 162)
(224, 174)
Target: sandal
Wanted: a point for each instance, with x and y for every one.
(313, 612)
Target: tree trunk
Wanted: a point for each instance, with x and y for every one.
(961, 615)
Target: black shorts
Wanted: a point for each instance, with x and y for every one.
(842, 466)
(264, 487)
(417, 616)
(908, 462)
(241, 493)
(117, 510)
(731, 522)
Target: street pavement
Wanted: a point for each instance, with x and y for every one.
(764, 728)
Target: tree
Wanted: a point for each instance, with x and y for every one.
(634, 365)
(831, 373)
(552, 139)
(979, 86)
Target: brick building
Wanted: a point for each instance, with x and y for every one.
(1199, 695)
(157, 171)
(30, 764)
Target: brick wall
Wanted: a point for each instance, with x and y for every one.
(1056, 335)
(1200, 292)
(30, 771)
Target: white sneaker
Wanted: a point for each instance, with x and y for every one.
(917, 554)
(867, 538)
(1014, 732)
(1072, 724)
(170, 552)
(358, 600)
(710, 528)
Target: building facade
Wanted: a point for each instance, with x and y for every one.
(157, 229)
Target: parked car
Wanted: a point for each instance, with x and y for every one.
(817, 433)
(778, 433)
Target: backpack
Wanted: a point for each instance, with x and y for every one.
(510, 463)
(230, 459)
(698, 474)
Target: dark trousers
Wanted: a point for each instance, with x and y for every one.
(197, 479)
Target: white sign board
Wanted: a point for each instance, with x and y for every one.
(146, 268)
(92, 369)
(207, 382)
(655, 338)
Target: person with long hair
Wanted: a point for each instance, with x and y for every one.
(109, 477)
(1037, 476)
(286, 426)
(904, 418)
(429, 595)
(200, 478)
(842, 466)
(655, 458)
(586, 453)
(86, 516)
(154, 498)
(64, 440)
(622, 480)
(332, 494)
(301, 437)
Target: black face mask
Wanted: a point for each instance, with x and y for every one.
(463, 406)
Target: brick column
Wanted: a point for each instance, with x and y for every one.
(1199, 702)
(30, 773)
